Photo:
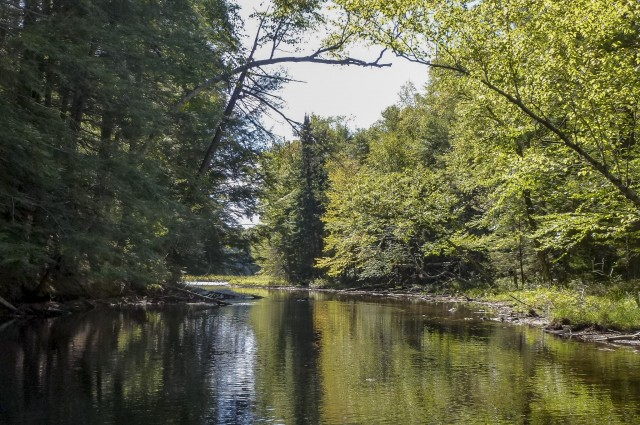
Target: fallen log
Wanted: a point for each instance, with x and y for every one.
(618, 337)
(195, 294)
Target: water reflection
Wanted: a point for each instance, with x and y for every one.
(179, 366)
(307, 358)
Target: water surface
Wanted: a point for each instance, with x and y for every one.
(307, 358)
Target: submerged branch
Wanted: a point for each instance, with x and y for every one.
(8, 305)
(195, 294)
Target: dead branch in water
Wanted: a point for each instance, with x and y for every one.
(195, 294)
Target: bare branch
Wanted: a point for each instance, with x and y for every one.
(258, 125)
(258, 84)
(314, 57)
(282, 78)
(294, 124)
(256, 40)
(275, 40)
(262, 92)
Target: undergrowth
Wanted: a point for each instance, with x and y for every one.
(611, 309)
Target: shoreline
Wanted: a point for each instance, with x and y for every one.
(498, 311)
(501, 311)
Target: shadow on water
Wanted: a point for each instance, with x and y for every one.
(306, 358)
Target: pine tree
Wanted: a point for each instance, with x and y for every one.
(293, 201)
(313, 180)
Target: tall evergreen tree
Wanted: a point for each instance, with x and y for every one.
(293, 201)
(313, 178)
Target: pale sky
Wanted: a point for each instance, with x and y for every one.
(355, 92)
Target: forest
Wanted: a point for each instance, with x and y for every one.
(132, 146)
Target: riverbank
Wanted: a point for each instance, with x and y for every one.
(612, 318)
(562, 312)
(537, 312)
(165, 295)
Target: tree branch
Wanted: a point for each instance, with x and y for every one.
(294, 124)
(567, 140)
(261, 72)
(626, 191)
(251, 64)
(432, 64)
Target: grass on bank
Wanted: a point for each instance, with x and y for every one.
(256, 280)
(612, 309)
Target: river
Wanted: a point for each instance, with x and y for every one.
(308, 358)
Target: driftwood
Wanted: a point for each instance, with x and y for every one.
(7, 324)
(619, 337)
(195, 294)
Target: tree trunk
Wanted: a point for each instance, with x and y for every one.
(217, 137)
(541, 254)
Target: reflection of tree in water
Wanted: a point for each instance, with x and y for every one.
(288, 383)
(295, 360)
(305, 358)
(135, 366)
(425, 364)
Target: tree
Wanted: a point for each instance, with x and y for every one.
(394, 214)
(294, 199)
(557, 83)
(92, 188)
(281, 28)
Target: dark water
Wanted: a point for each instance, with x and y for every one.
(304, 359)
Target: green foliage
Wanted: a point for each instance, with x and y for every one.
(96, 190)
(578, 308)
(293, 200)
(518, 161)
(393, 215)
(382, 225)
(543, 135)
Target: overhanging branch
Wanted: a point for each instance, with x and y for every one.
(315, 57)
